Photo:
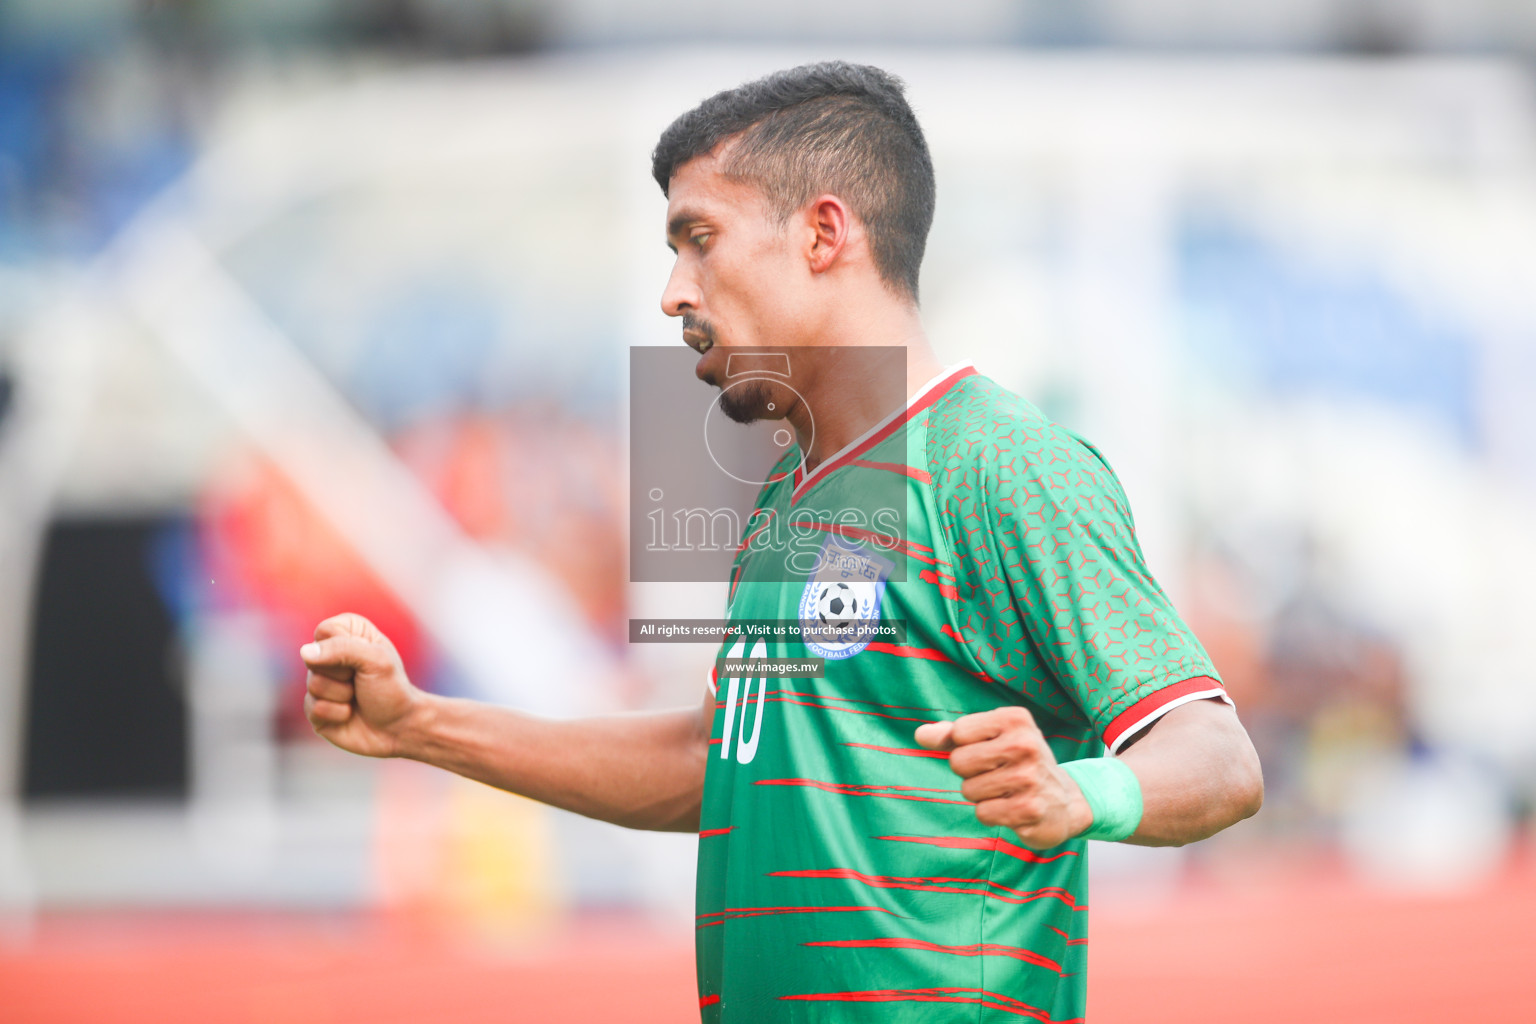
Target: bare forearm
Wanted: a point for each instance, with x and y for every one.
(637, 770)
(1198, 772)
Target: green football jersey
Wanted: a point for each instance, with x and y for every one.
(842, 876)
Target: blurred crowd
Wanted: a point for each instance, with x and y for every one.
(1284, 297)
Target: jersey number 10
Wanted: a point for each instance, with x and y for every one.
(746, 749)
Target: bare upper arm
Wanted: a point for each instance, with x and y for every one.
(1211, 715)
(1204, 738)
(1198, 770)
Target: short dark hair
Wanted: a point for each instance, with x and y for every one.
(830, 127)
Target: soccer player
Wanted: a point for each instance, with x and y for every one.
(901, 838)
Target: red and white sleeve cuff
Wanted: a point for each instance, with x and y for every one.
(1157, 704)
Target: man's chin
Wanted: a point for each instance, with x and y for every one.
(738, 411)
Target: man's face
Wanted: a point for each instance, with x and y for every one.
(736, 282)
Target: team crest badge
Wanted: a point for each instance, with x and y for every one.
(840, 606)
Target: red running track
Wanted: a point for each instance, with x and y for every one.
(1310, 949)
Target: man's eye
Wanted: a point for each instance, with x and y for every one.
(700, 239)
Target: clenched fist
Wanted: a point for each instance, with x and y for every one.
(358, 696)
(1011, 775)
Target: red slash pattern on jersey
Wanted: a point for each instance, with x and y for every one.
(981, 997)
(970, 886)
(976, 949)
(994, 843)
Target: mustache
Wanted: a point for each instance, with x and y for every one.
(698, 325)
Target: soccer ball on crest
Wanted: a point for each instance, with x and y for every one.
(837, 606)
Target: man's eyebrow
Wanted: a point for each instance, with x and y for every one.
(679, 224)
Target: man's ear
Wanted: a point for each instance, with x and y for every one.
(831, 223)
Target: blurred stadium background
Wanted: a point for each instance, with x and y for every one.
(324, 305)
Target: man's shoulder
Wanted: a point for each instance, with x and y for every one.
(979, 426)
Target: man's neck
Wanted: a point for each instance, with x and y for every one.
(847, 405)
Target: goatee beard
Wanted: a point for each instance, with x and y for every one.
(744, 403)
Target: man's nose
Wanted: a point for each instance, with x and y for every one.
(681, 294)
